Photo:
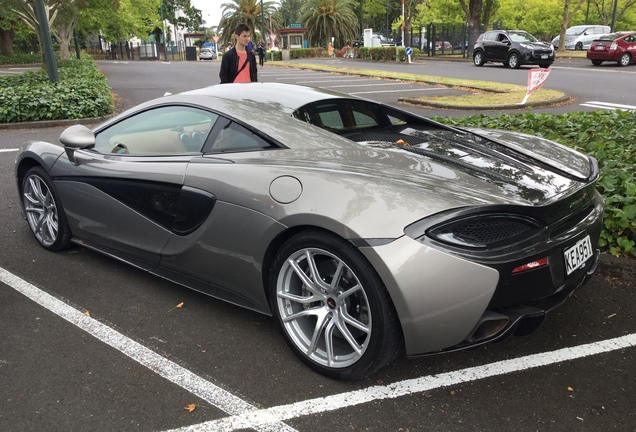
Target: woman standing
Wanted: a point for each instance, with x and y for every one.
(260, 50)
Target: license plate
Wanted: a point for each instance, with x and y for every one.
(544, 56)
(578, 254)
(600, 48)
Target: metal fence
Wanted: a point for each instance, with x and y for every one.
(138, 51)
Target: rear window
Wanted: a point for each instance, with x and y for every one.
(343, 115)
(609, 37)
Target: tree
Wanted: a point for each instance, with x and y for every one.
(244, 12)
(605, 10)
(478, 12)
(290, 11)
(566, 17)
(325, 19)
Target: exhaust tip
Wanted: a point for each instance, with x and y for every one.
(489, 326)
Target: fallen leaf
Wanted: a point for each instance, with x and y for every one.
(611, 316)
(570, 389)
(402, 142)
(190, 407)
(179, 306)
(87, 313)
(453, 392)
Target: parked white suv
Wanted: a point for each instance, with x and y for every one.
(580, 37)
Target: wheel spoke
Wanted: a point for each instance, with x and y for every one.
(329, 347)
(298, 299)
(315, 311)
(321, 323)
(309, 281)
(344, 330)
(337, 276)
(347, 318)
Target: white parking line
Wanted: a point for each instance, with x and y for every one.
(401, 90)
(167, 369)
(8, 150)
(609, 106)
(251, 419)
(358, 85)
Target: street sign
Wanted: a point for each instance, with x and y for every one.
(273, 37)
(215, 39)
(295, 25)
(409, 51)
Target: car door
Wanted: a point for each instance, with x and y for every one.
(123, 195)
(499, 48)
(227, 231)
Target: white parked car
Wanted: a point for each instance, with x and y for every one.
(580, 37)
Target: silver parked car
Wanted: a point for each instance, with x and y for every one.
(580, 37)
(207, 54)
(364, 230)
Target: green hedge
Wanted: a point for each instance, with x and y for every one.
(81, 93)
(15, 59)
(610, 137)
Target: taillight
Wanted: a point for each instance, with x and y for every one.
(531, 265)
(613, 46)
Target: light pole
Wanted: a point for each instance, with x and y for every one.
(47, 46)
(163, 33)
(263, 31)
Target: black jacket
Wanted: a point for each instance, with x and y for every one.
(230, 66)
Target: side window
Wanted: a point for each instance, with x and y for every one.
(235, 138)
(158, 132)
(491, 36)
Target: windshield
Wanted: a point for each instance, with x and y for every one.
(575, 30)
(523, 37)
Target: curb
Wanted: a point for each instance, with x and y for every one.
(414, 101)
(41, 124)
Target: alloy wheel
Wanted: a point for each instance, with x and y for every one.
(41, 210)
(324, 308)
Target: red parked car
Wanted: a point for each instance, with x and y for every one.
(619, 47)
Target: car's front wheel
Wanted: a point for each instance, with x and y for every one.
(332, 307)
(513, 61)
(578, 46)
(43, 210)
(478, 58)
(597, 62)
(625, 59)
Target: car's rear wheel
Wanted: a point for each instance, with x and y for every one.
(332, 307)
(578, 46)
(597, 62)
(478, 58)
(625, 59)
(513, 61)
(43, 210)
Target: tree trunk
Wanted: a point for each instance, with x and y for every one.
(6, 41)
(567, 16)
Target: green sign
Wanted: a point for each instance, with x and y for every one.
(295, 25)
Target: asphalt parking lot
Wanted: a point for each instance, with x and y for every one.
(92, 344)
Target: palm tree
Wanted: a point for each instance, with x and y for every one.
(330, 18)
(244, 12)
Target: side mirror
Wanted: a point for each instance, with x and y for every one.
(76, 137)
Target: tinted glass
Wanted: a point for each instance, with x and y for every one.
(160, 131)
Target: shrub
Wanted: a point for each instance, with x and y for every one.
(82, 92)
(610, 137)
(20, 59)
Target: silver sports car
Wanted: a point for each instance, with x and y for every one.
(364, 230)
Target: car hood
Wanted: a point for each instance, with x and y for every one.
(538, 45)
